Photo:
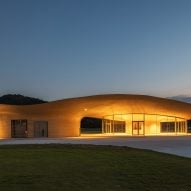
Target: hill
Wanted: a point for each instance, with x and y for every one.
(17, 99)
(186, 99)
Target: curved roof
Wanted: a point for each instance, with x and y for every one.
(101, 105)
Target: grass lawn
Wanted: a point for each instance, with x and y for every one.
(89, 168)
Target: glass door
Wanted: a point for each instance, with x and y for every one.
(138, 128)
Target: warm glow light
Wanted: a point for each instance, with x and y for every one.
(143, 124)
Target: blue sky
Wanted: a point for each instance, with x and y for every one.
(54, 49)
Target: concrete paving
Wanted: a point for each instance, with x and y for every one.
(177, 145)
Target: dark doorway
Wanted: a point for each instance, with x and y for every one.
(91, 125)
(19, 128)
(41, 129)
(189, 126)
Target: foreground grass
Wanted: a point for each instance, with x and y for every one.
(80, 167)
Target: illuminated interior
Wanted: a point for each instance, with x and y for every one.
(143, 124)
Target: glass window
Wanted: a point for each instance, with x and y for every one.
(167, 127)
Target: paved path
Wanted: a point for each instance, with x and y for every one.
(178, 145)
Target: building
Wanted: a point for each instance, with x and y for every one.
(120, 114)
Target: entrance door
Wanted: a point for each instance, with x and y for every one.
(41, 129)
(138, 128)
(19, 128)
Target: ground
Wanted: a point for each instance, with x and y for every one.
(178, 145)
(87, 167)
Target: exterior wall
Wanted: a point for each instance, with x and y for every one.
(151, 127)
(129, 124)
(5, 127)
(64, 116)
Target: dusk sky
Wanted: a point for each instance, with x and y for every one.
(54, 49)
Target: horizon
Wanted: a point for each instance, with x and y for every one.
(62, 49)
(184, 98)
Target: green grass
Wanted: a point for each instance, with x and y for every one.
(89, 168)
